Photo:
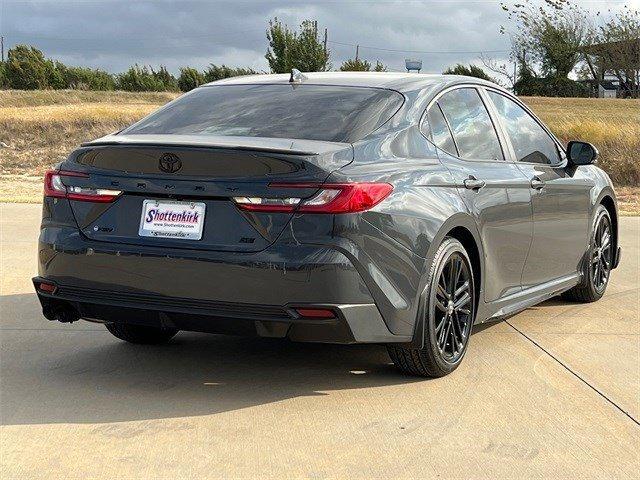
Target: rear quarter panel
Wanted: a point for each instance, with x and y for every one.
(393, 244)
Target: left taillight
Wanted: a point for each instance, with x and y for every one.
(54, 186)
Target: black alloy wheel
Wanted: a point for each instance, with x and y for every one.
(452, 315)
(446, 318)
(598, 261)
(601, 254)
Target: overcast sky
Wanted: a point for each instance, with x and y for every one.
(113, 34)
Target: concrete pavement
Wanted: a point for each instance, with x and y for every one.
(552, 393)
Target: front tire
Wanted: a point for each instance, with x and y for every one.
(448, 309)
(598, 261)
(141, 334)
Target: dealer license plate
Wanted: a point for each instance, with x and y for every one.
(169, 219)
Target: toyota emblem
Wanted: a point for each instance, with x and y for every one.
(169, 163)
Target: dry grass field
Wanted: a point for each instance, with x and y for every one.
(613, 125)
(39, 128)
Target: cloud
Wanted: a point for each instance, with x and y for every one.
(115, 34)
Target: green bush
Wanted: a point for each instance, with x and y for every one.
(168, 81)
(189, 79)
(550, 87)
(81, 78)
(215, 72)
(3, 75)
(146, 79)
(56, 75)
(359, 65)
(470, 71)
(356, 65)
(26, 68)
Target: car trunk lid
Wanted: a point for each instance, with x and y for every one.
(204, 173)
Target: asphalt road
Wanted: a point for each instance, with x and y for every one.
(552, 393)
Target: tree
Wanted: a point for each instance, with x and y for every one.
(164, 78)
(82, 78)
(26, 68)
(546, 42)
(617, 50)
(189, 79)
(289, 49)
(146, 79)
(55, 74)
(3, 75)
(500, 68)
(550, 34)
(215, 72)
(358, 65)
(380, 67)
(470, 71)
(139, 79)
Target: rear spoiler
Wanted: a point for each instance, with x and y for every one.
(263, 144)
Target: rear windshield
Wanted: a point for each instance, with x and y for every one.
(309, 112)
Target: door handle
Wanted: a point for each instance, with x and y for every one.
(472, 183)
(536, 183)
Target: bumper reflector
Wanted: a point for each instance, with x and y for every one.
(47, 287)
(315, 312)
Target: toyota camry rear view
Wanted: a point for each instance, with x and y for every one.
(397, 209)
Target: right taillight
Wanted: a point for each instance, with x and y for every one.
(330, 198)
(55, 187)
(346, 198)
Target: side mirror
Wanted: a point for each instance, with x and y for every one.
(581, 153)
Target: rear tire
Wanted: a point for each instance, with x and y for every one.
(598, 261)
(448, 309)
(141, 334)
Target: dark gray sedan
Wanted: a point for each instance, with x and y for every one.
(327, 207)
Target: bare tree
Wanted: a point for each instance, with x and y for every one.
(507, 76)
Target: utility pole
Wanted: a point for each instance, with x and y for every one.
(2, 47)
(325, 41)
(326, 57)
(357, 51)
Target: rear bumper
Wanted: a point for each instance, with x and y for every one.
(216, 292)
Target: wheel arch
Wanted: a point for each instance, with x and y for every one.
(468, 241)
(463, 228)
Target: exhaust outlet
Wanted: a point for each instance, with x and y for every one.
(61, 313)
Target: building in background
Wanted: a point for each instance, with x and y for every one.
(615, 64)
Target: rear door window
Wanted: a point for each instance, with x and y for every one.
(471, 125)
(439, 130)
(532, 144)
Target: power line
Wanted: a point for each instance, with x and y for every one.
(249, 33)
(433, 52)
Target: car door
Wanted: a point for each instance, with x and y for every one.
(495, 191)
(560, 198)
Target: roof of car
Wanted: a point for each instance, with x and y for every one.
(399, 81)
